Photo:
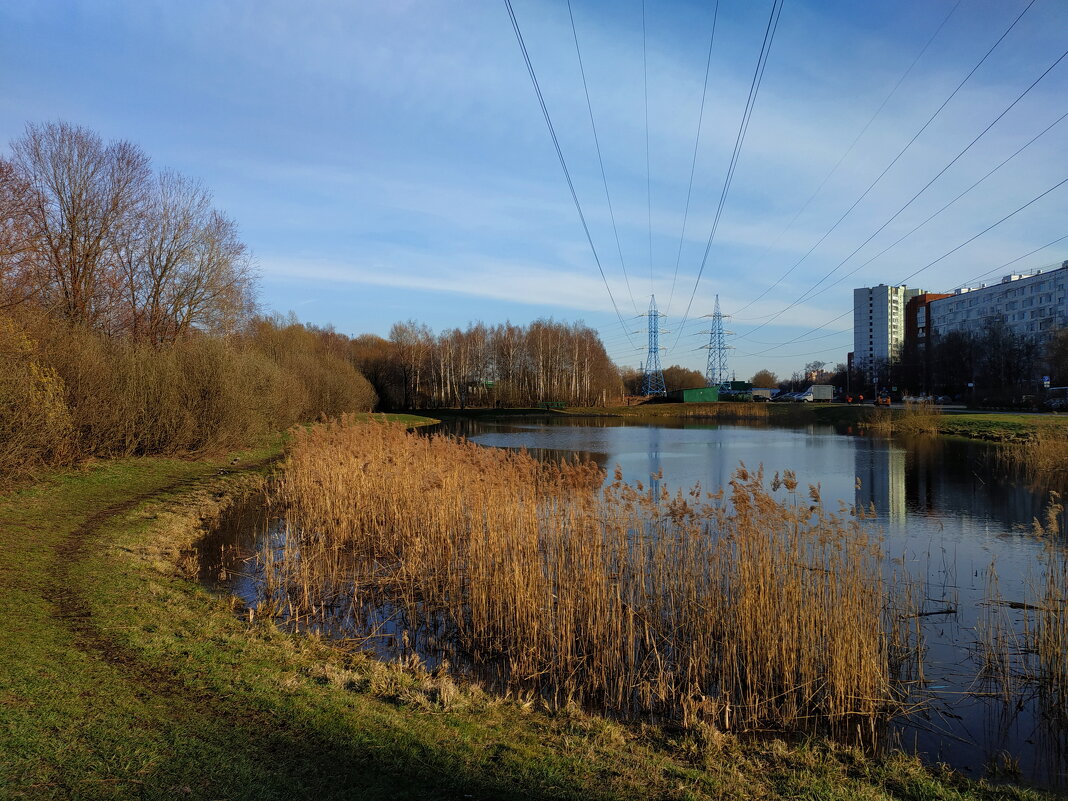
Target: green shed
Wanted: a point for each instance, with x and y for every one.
(695, 395)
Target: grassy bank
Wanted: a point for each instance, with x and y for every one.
(996, 427)
(121, 678)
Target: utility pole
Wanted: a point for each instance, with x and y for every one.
(653, 383)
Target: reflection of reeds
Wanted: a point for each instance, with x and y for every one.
(745, 610)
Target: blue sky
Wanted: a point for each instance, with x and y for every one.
(388, 160)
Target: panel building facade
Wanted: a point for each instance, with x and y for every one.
(1033, 305)
(879, 326)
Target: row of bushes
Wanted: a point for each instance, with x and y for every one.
(67, 392)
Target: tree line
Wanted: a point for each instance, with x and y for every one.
(488, 365)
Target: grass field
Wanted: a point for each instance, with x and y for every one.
(120, 677)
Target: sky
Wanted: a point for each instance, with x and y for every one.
(388, 160)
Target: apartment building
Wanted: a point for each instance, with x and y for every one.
(1033, 304)
(879, 325)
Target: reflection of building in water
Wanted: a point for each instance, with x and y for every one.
(943, 475)
(881, 474)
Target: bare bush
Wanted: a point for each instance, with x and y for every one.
(35, 426)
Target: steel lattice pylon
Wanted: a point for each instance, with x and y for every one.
(653, 383)
(716, 371)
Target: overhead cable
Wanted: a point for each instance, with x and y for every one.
(600, 160)
(809, 292)
(560, 156)
(909, 144)
(754, 88)
(849, 150)
(693, 162)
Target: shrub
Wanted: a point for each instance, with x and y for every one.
(35, 426)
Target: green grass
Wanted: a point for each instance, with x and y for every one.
(120, 677)
(1000, 427)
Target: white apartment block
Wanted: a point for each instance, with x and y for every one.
(1033, 304)
(879, 324)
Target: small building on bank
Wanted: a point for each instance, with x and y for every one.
(695, 395)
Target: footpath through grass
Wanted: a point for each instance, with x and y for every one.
(120, 677)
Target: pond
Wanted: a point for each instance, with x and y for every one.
(956, 517)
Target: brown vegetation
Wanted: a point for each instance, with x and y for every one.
(755, 609)
(126, 315)
(916, 418)
(1051, 631)
(675, 377)
(67, 391)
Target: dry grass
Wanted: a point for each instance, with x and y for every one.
(1051, 630)
(723, 410)
(1022, 644)
(1045, 453)
(915, 418)
(67, 391)
(748, 610)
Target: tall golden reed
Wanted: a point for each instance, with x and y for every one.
(1051, 630)
(735, 608)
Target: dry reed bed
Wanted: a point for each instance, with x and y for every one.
(915, 418)
(737, 608)
(1051, 629)
(727, 410)
(1045, 453)
(1023, 645)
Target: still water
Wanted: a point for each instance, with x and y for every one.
(955, 517)
(949, 512)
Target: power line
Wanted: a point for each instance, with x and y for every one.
(1057, 185)
(930, 264)
(908, 145)
(754, 88)
(849, 150)
(808, 293)
(935, 214)
(1010, 263)
(560, 156)
(693, 162)
(600, 160)
(648, 175)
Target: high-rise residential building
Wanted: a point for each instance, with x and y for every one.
(1033, 304)
(879, 326)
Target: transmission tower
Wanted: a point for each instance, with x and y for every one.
(654, 372)
(716, 371)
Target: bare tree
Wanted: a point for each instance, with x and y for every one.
(183, 266)
(20, 276)
(81, 194)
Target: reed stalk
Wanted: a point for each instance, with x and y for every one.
(753, 607)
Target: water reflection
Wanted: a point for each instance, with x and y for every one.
(880, 472)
